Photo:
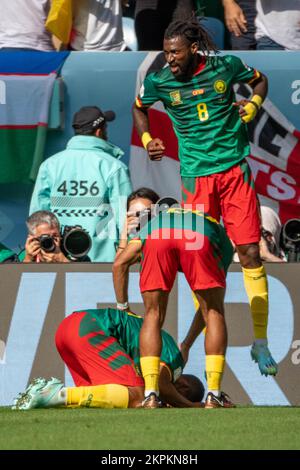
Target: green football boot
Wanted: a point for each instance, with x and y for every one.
(261, 355)
(38, 394)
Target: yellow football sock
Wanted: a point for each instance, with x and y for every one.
(150, 369)
(214, 367)
(256, 285)
(98, 396)
(196, 302)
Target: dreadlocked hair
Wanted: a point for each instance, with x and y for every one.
(193, 32)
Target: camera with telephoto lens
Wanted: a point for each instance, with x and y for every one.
(290, 237)
(75, 242)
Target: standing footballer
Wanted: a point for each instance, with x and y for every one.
(197, 92)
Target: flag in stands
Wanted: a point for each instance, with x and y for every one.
(26, 85)
(275, 152)
(59, 21)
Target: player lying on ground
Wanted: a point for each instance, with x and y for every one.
(101, 350)
(178, 240)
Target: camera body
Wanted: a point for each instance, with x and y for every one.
(146, 214)
(290, 237)
(75, 242)
(144, 217)
(47, 243)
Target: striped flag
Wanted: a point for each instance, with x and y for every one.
(26, 86)
(274, 159)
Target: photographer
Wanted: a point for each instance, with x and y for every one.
(138, 203)
(269, 245)
(43, 228)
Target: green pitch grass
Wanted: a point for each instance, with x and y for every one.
(241, 428)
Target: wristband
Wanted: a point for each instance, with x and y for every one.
(123, 306)
(251, 108)
(257, 101)
(146, 138)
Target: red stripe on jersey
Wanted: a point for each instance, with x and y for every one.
(201, 66)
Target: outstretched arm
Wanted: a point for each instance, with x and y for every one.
(121, 269)
(197, 326)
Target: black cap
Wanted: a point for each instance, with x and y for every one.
(91, 118)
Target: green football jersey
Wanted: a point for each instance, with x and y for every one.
(125, 328)
(211, 135)
(192, 220)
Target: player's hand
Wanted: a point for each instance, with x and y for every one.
(234, 18)
(132, 221)
(53, 257)
(156, 149)
(56, 256)
(264, 249)
(247, 111)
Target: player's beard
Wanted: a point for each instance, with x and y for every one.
(186, 70)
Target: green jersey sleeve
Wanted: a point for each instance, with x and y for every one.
(242, 72)
(148, 93)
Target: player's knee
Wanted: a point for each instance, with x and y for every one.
(153, 315)
(249, 255)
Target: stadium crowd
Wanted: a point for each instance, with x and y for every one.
(93, 25)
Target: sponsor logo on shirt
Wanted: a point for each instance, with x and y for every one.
(175, 98)
(220, 86)
(200, 91)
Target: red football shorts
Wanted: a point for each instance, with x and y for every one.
(163, 256)
(94, 359)
(230, 195)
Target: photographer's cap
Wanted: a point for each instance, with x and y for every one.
(90, 118)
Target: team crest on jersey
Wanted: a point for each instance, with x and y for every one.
(175, 98)
(220, 86)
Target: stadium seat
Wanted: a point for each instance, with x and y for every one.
(129, 33)
(216, 30)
